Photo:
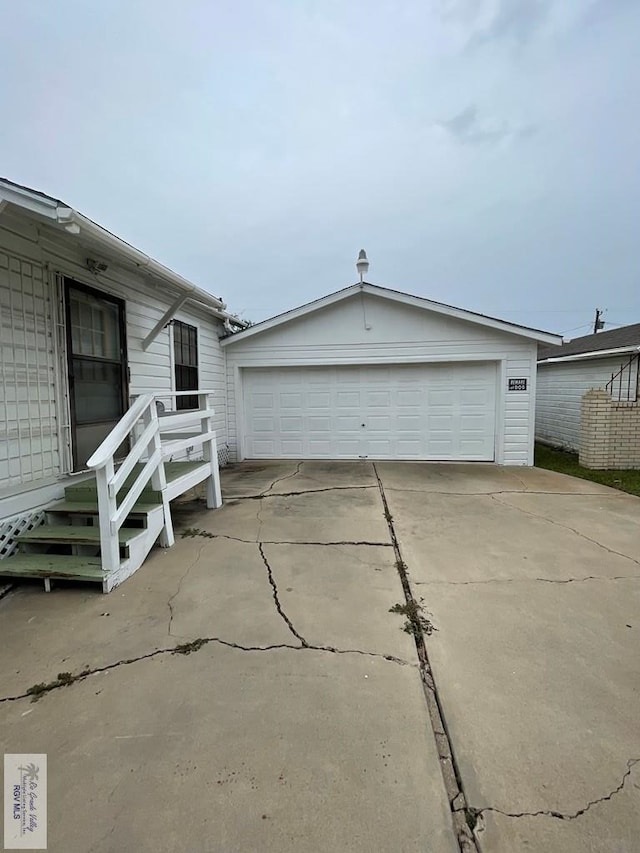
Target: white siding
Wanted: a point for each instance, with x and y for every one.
(373, 330)
(559, 396)
(31, 258)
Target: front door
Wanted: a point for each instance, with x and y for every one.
(97, 362)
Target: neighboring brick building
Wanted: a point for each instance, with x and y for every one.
(588, 400)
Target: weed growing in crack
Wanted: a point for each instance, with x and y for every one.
(64, 679)
(416, 622)
(187, 648)
(471, 816)
(193, 532)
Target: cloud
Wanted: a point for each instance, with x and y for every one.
(483, 21)
(468, 128)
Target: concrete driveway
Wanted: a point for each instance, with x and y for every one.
(249, 690)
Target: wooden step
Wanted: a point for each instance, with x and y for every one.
(90, 493)
(75, 534)
(52, 566)
(90, 508)
(88, 490)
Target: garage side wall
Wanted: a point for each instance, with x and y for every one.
(376, 331)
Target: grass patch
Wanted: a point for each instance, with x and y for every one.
(567, 463)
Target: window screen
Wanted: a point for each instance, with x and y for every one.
(185, 359)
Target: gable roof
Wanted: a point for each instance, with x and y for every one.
(394, 296)
(624, 339)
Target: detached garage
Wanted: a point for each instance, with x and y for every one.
(370, 373)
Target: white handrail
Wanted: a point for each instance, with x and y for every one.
(121, 430)
(149, 449)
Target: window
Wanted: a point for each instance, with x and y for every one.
(185, 359)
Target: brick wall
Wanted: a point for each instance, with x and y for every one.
(609, 432)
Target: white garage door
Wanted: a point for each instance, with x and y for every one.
(421, 411)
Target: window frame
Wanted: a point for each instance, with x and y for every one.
(179, 366)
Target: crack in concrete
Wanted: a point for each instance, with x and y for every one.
(193, 532)
(276, 599)
(262, 495)
(448, 764)
(177, 592)
(259, 520)
(282, 479)
(529, 580)
(617, 494)
(566, 527)
(474, 813)
(186, 649)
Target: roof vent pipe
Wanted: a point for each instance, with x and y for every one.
(362, 265)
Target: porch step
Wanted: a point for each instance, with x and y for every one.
(89, 507)
(66, 530)
(174, 471)
(75, 534)
(60, 566)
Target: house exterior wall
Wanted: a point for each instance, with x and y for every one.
(610, 432)
(34, 409)
(365, 329)
(560, 389)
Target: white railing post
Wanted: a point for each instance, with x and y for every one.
(159, 477)
(210, 454)
(109, 543)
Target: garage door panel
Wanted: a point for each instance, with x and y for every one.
(265, 449)
(379, 422)
(320, 449)
(261, 400)
(318, 424)
(316, 400)
(293, 447)
(348, 399)
(291, 401)
(291, 424)
(439, 412)
(348, 449)
(407, 398)
(263, 424)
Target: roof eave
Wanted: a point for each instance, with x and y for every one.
(74, 223)
(405, 298)
(599, 353)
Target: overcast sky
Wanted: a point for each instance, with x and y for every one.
(485, 153)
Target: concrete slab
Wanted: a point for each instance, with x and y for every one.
(480, 538)
(341, 595)
(342, 515)
(276, 477)
(536, 667)
(480, 478)
(539, 686)
(610, 520)
(224, 750)
(295, 749)
(201, 587)
(597, 831)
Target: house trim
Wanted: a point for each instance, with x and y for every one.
(395, 296)
(599, 353)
